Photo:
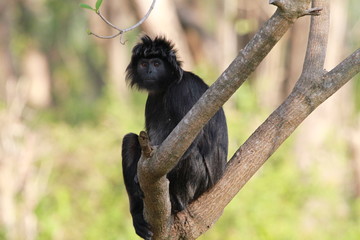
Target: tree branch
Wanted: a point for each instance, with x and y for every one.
(317, 44)
(341, 74)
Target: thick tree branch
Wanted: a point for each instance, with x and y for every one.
(341, 74)
(159, 188)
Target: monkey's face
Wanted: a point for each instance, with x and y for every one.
(152, 74)
(154, 65)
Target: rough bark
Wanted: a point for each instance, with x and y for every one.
(314, 86)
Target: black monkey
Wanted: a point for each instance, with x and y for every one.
(172, 92)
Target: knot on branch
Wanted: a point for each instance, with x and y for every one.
(144, 141)
(295, 9)
(316, 11)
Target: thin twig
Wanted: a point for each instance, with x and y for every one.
(105, 37)
(107, 21)
(142, 20)
(121, 41)
(122, 31)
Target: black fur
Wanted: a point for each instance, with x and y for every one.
(176, 91)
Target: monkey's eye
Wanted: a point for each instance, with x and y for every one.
(144, 64)
(156, 64)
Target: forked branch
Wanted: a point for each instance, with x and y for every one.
(119, 30)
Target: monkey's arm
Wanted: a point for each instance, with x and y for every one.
(181, 97)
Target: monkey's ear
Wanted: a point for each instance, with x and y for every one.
(165, 48)
(172, 59)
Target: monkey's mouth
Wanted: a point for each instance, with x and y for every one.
(150, 80)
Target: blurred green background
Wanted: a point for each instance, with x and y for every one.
(65, 106)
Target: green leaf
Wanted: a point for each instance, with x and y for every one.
(83, 5)
(98, 4)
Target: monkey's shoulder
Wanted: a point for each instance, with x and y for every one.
(189, 85)
(192, 78)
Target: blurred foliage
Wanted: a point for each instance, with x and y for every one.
(75, 61)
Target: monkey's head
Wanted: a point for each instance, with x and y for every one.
(154, 65)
